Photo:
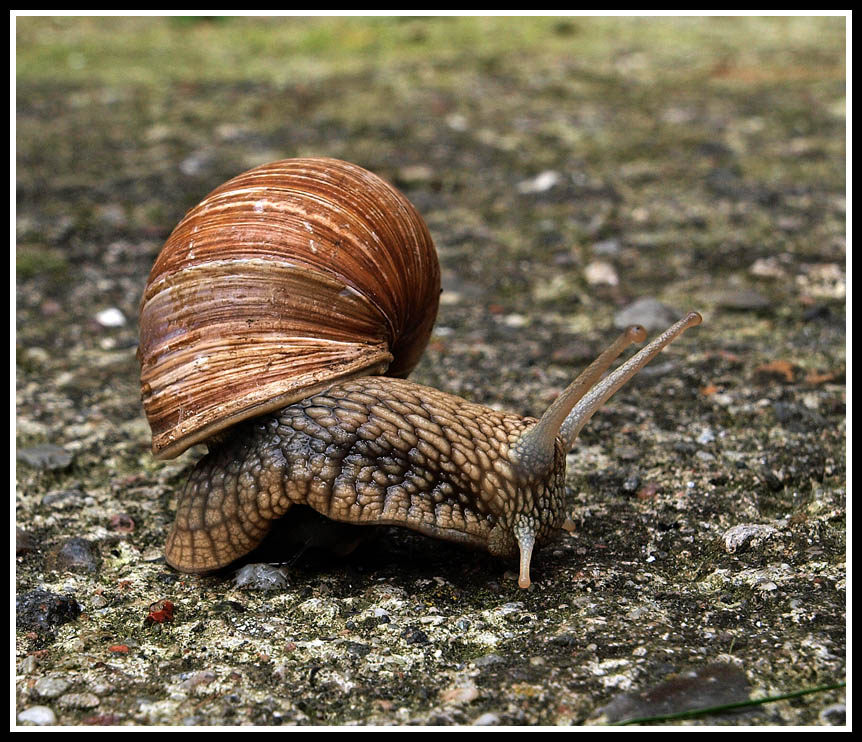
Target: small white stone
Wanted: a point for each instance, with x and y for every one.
(515, 320)
(601, 272)
(706, 436)
(111, 317)
(457, 121)
(40, 715)
(544, 181)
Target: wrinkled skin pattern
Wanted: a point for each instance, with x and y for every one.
(370, 451)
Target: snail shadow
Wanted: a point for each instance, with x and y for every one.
(314, 545)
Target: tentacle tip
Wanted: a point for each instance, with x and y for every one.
(692, 319)
(526, 537)
(636, 333)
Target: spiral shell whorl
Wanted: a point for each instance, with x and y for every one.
(284, 280)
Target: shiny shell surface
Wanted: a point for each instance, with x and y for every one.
(286, 279)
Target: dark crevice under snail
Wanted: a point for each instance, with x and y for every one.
(267, 321)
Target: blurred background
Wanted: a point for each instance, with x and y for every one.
(588, 161)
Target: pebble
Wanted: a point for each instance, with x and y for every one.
(712, 685)
(462, 694)
(357, 649)
(834, 715)
(489, 719)
(39, 715)
(487, 659)
(28, 665)
(745, 536)
(649, 312)
(320, 610)
(432, 620)
(41, 610)
(457, 121)
(111, 317)
(78, 700)
(229, 606)
(99, 601)
(507, 608)
(205, 677)
(600, 272)
(742, 299)
(707, 436)
(261, 577)
(415, 636)
(75, 555)
(45, 456)
(414, 174)
(51, 687)
(515, 320)
(632, 483)
(823, 280)
(767, 268)
(544, 181)
(37, 356)
(63, 498)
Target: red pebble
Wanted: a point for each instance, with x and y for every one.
(160, 612)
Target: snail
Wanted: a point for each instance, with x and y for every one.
(267, 324)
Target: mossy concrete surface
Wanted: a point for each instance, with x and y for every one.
(567, 168)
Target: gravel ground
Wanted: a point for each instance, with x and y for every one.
(575, 173)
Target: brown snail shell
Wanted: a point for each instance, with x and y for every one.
(283, 281)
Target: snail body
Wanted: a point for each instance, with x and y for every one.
(372, 451)
(334, 434)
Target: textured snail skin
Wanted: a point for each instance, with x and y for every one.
(368, 451)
